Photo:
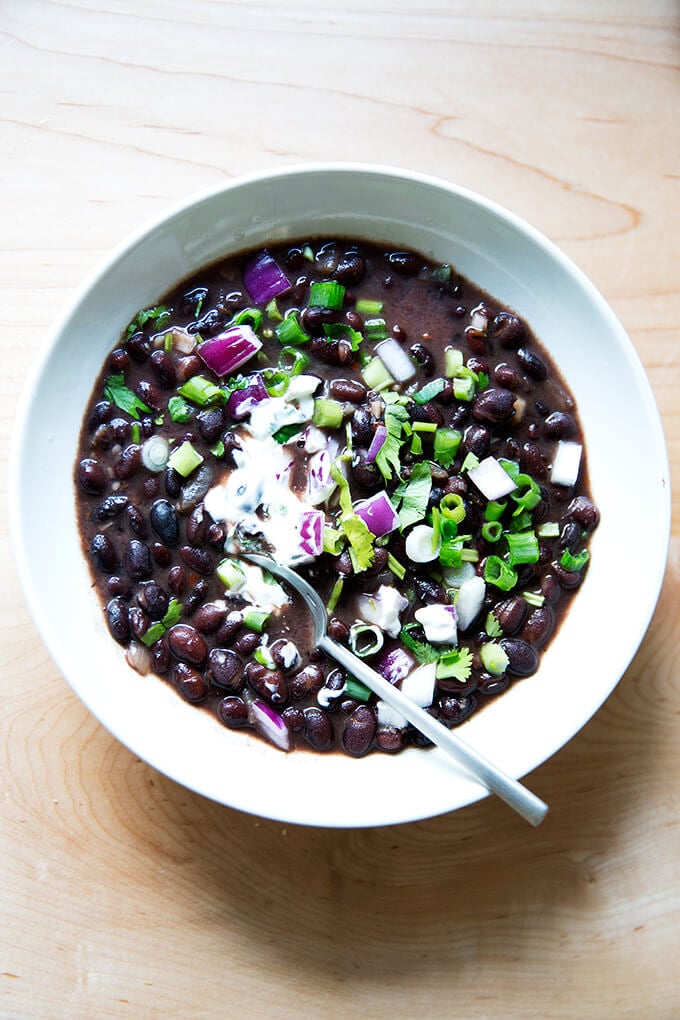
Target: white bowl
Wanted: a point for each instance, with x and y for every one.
(627, 463)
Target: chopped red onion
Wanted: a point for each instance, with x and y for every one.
(270, 724)
(395, 664)
(491, 478)
(264, 279)
(379, 438)
(227, 351)
(378, 514)
(311, 533)
(396, 360)
(241, 402)
(566, 463)
(469, 601)
(320, 483)
(419, 685)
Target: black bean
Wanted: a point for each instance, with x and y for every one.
(153, 599)
(477, 440)
(350, 269)
(187, 644)
(285, 654)
(164, 521)
(584, 512)
(424, 357)
(197, 525)
(209, 324)
(455, 709)
(138, 347)
(270, 684)
(338, 630)
(103, 553)
(308, 681)
(317, 729)
(208, 617)
(428, 412)
(173, 482)
(160, 656)
(129, 462)
(534, 461)
(191, 299)
(195, 488)
(111, 507)
(333, 352)
(119, 360)
(348, 389)
(523, 658)
(568, 579)
(196, 595)
(150, 394)
(362, 427)
(510, 613)
(101, 413)
(189, 682)
(246, 643)
(176, 579)
(295, 719)
(225, 669)
(198, 560)
(365, 473)
(560, 425)
(570, 536)
(119, 586)
(359, 731)
(539, 626)
(136, 521)
(229, 628)
(492, 684)
(407, 263)
(211, 423)
(137, 560)
(233, 711)
(161, 554)
(187, 366)
(508, 330)
(390, 739)
(164, 369)
(118, 620)
(139, 621)
(430, 591)
(91, 476)
(494, 406)
(532, 364)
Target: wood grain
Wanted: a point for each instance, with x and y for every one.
(124, 895)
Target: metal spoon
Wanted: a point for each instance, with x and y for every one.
(527, 804)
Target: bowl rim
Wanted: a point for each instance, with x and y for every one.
(179, 208)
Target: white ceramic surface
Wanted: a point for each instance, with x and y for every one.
(514, 263)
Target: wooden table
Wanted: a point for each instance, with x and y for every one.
(123, 894)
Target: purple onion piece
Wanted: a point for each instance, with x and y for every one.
(241, 402)
(264, 279)
(395, 664)
(378, 514)
(311, 533)
(229, 350)
(270, 724)
(379, 438)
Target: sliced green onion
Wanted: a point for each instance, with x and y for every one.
(499, 573)
(494, 510)
(217, 449)
(366, 306)
(452, 507)
(522, 547)
(441, 274)
(135, 433)
(464, 387)
(327, 413)
(494, 658)
(365, 639)
(326, 294)
(453, 361)
(416, 446)
(492, 626)
(335, 594)
(272, 311)
(574, 562)
(231, 574)
(548, 529)
(376, 376)
(511, 467)
(287, 432)
(527, 495)
(153, 634)
(255, 619)
(492, 531)
(429, 391)
(343, 331)
(290, 332)
(179, 410)
(446, 443)
(396, 567)
(248, 316)
(471, 461)
(292, 361)
(167, 342)
(355, 689)
(185, 459)
(276, 381)
(201, 391)
(375, 329)
(533, 598)
(333, 540)
(264, 657)
(424, 426)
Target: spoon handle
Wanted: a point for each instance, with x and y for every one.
(527, 804)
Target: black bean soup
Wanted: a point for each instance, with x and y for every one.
(378, 423)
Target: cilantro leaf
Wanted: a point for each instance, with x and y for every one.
(455, 664)
(413, 495)
(155, 315)
(122, 396)
(360, 541)
(387, 459)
